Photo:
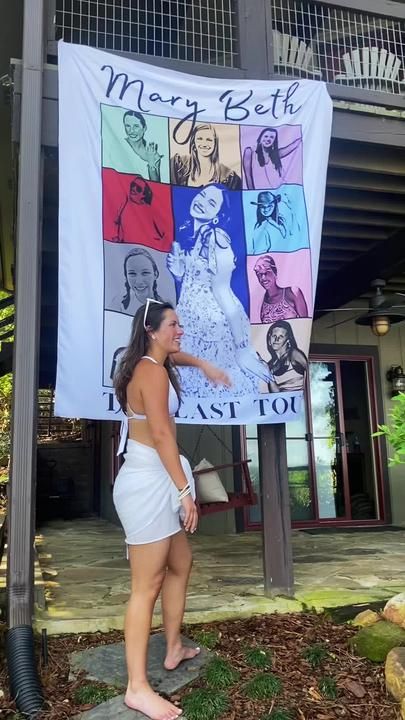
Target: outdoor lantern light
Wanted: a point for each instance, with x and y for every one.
(381, 320)
(380, 325)
(396, 377)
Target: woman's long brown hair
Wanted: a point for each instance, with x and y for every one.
(138, 346)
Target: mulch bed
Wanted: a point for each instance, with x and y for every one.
(361, 691)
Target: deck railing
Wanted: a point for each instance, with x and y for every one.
(339, 45)
(353, 45)
(202, 31)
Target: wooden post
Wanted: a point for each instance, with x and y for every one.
(20, 566)
(277, 545)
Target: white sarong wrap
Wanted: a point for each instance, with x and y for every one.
(145, 497)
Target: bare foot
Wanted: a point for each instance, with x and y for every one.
(148, 702)
(176, 656)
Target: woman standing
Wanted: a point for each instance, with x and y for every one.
(147, 154)
(279, 303)
(218, 327)
(140, 282)
(287, 363)
(263, 167)
(152, 491)
(202, 166)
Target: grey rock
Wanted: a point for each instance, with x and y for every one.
(106, 663)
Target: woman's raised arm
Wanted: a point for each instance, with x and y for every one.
(288, 149)
(214, 374)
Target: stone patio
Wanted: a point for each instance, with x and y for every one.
(85, 575)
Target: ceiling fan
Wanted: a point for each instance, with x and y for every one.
(383, 311)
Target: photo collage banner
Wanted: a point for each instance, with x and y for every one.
(204, 192)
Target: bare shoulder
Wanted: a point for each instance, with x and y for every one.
(148, 375)
(222, 238)
(148, 370)
(298, 356)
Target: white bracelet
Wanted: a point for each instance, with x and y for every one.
(184, 492)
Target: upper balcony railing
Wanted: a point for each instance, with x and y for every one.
(342, 46)
(199, 31)
(356, 46)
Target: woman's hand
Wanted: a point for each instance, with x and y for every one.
(214, 374)
(176, 263)
(152, 155)
(249, 360)
(190, 519)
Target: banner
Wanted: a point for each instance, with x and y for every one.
(205, 192)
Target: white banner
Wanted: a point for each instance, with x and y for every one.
(208, 193)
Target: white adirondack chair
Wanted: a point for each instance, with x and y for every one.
(371, 67)
(293, 56)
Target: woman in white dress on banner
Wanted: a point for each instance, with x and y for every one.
(218, 328)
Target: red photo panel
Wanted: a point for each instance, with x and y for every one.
(136, 211)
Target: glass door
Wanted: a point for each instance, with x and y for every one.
(327, 444)
(333, 463)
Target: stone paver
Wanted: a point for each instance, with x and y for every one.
(112, 709)
(106, 663)
(86, 576)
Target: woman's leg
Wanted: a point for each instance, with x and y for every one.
(179, 561)
(148, 569)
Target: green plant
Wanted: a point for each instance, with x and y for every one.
(219, 674)
(263, 686)
(94, 694)
(315, 654)
(327, 687)
(394, 431)
(279, 714)
(208, 638)
(257, 657)
(204, 704)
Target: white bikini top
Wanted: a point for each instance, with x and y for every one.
(173, 402)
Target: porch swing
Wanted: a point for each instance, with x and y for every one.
(236, 499)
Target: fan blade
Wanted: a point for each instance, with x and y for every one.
(349, 309)
(387, 305)
(342, 322)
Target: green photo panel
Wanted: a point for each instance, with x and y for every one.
(135, 143)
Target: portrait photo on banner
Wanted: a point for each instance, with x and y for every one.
(136, 210)
(275, 220)
(271, 156)
(208, 264)
(283, 346)
(134, 142)
(116, 334)
(132, 275)
(205, 153)
(280, 286)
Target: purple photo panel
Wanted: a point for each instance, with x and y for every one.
(271, 156)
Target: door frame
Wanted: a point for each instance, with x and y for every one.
(368, 354)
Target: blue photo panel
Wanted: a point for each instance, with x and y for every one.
(204, 218)
(275, 220)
